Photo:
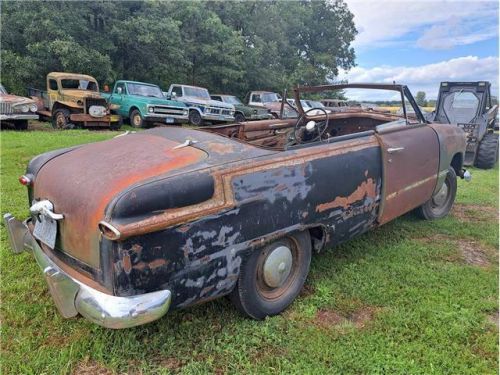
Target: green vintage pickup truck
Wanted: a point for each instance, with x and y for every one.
(144, 104)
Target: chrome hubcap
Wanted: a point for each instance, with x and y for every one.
(440, 197)
(137, 120)
(277, 266)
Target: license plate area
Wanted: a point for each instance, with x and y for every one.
(169, 120)
(46, 230)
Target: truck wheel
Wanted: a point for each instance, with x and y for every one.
(239, 117)
(136, 119)
(195, 118)
(60, 119)
(441, 202)
(487, 152)
(271, 278)
(21, 124)
(116, 125)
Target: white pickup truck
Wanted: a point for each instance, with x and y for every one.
(201, 106)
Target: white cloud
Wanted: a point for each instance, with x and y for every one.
(448, 23)
(427, 77)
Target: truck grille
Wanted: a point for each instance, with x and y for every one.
(6, 108)
(214, 111)
(168, 110)
(226, 112)
(94, 101)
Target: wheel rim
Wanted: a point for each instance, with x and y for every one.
(60, 121)
(136, 119)
(277, 266)
(277, 269)
(195, 118)
(439, 199)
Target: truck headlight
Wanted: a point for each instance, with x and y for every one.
(207, 110)
(151, 109)
(185, 112)
(33, 108)
(25, 108)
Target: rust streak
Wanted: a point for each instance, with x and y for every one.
(366, 189)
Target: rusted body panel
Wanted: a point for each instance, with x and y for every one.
(191, 205)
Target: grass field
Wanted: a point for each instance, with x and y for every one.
(411, 297)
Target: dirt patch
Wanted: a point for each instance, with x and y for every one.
(473, 254)
(493, 318)
(171, 363)
(474, 213)
(360, 318)
(89, 367)
(469, 251)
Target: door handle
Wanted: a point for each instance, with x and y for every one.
(392, 150)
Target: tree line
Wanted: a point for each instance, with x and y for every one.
(229, 47)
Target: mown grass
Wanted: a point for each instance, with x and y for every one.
(405, 298)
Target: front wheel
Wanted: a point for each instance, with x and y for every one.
(239, 117)
(271, 278)
(441, 202)
(60, 119)
(195, 118)
(487, 152)
(136, 119)
(21, 124)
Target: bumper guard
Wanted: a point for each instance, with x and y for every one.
(73, 297)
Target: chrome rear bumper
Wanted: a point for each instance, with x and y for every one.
(73, 297)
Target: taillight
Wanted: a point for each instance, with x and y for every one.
(25, 180)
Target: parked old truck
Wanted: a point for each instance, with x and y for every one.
(202, 108)
(235, 209)
(272, 102)
(73, 100)
(16, 110)
(469, 105)
(243, 112)
(144, 104)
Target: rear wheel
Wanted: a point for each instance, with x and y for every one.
(441, 202)
(195, 118)
(272, 277)
(60, 119)
(487, 152)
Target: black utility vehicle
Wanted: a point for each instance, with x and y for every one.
(470, 105)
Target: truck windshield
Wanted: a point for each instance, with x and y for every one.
(197, 92)
(2, 90)
(232, 100)
(270, 97)
(79, 84)
(144, 90)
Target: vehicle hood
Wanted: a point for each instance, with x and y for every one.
(81, 93)
(157, 101)
(14, 99)
(206, 102)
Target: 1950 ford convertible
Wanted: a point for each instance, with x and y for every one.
(128, 228)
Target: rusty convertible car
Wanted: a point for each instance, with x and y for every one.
(234, 209)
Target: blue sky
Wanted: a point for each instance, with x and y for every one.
(421, 43)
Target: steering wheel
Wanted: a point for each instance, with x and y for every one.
(310, 131)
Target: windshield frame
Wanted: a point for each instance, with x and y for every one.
(2, 90)
(402, 89)
(232, 99)
(89, 81)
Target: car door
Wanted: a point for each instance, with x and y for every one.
(117, 99)
(410, 158)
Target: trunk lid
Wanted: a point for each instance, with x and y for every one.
(82, 182)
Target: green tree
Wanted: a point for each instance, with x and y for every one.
(420, 99)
